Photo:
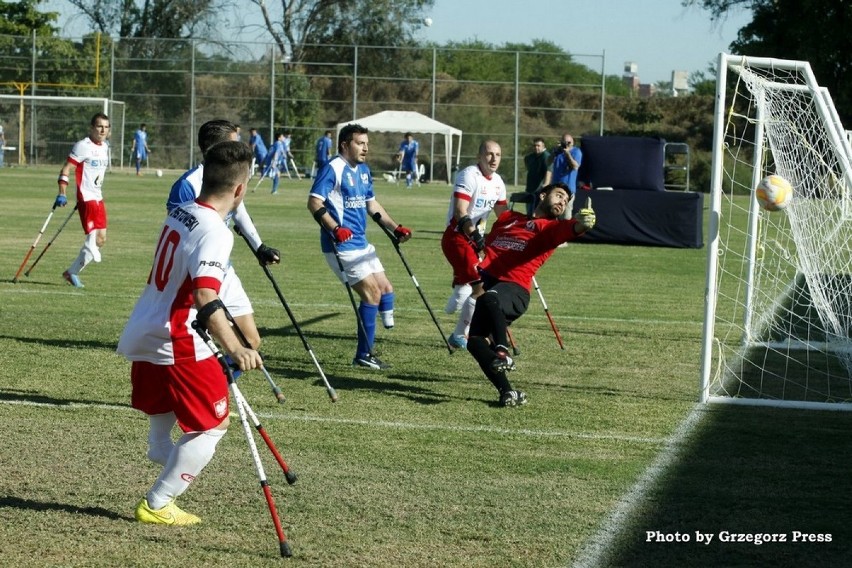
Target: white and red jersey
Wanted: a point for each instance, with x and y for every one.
(91, 160)
(518, 245)
(192, 252)
(482, 193)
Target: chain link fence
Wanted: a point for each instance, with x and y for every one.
(174, 86)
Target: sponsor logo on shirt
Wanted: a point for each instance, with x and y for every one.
(509, 243)
(482, 203)
(355, 202)
(212, 263)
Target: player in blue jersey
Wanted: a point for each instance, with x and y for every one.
(341, 198)
(408, 150)
(276, 160)
(323, 151)
(188, 188)
(139, 147)
(258, 148)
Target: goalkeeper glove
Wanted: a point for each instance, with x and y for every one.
(585, 219)
(267, 255)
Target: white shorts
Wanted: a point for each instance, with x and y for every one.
(233, 296)
(358, 264)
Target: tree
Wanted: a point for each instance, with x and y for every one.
(148, 18)
(816, 31)
(22, 18)
(295, 24)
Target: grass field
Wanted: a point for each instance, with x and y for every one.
(416, 466)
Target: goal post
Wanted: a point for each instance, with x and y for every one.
(778, 299)
(42, 129)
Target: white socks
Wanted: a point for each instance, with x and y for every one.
(88, 252)
(160, 443)
(387, 319)
(457, 298)
(190, 455)
(463, 325)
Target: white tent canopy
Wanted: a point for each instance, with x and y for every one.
(408, 121)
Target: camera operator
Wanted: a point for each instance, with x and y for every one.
(566, 162)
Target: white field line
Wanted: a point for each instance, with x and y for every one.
(394, 425)
(594, 552)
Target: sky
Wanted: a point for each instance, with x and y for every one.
(659, 36)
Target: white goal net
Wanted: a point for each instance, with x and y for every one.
(41, 130)
(778, 311)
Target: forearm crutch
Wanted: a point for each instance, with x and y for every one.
(547, 312)
(243, 409)
(377, 217)
(50, 242)
(332, 394)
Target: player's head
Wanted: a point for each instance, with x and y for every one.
(353, 143)
(99, 127)
(489, 157)
(555, 200)
(328, 133)
(215, 131)
(142, 126)
(538, 145)
(409, 136)
(227, 165)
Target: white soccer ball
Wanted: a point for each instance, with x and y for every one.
(159, 173)
(774, 193)
(427, 22)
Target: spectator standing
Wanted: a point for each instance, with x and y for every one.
(408, 151)
(187, 188)
(175, 377)
(566, 162)
(536, 163)
(89, 158)
(517, 246)
(479, 189)
(139, 147)
(340, 200)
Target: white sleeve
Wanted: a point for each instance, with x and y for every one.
(246, 226)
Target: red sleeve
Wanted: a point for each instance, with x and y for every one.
(207, 282)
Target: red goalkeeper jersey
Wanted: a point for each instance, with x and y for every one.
(517, 245)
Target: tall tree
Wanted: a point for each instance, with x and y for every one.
(149, 18)
(816, 31)
(295, 24)
(22, 18)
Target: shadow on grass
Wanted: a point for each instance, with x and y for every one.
(64, 343)
(751, 472)
(33, 397)
(32, 505)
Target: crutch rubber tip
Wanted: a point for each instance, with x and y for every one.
(280, 396)
(516, 351)
(332, 394)
(285, 550)
(291, 477)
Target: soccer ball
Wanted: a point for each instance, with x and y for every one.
(774, 193)
(159, 173)
(427, 22)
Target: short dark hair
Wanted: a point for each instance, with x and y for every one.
(559, 185)
(98, 115)
(347, 132)
(213, 132)
(225, 165)
(407, 134)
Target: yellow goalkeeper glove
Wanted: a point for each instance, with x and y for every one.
(585, 217)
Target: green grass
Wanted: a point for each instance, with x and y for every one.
(415, 466)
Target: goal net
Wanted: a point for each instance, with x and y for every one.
(778, 306)
(41, 130)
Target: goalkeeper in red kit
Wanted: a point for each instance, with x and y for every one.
(517, 246)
